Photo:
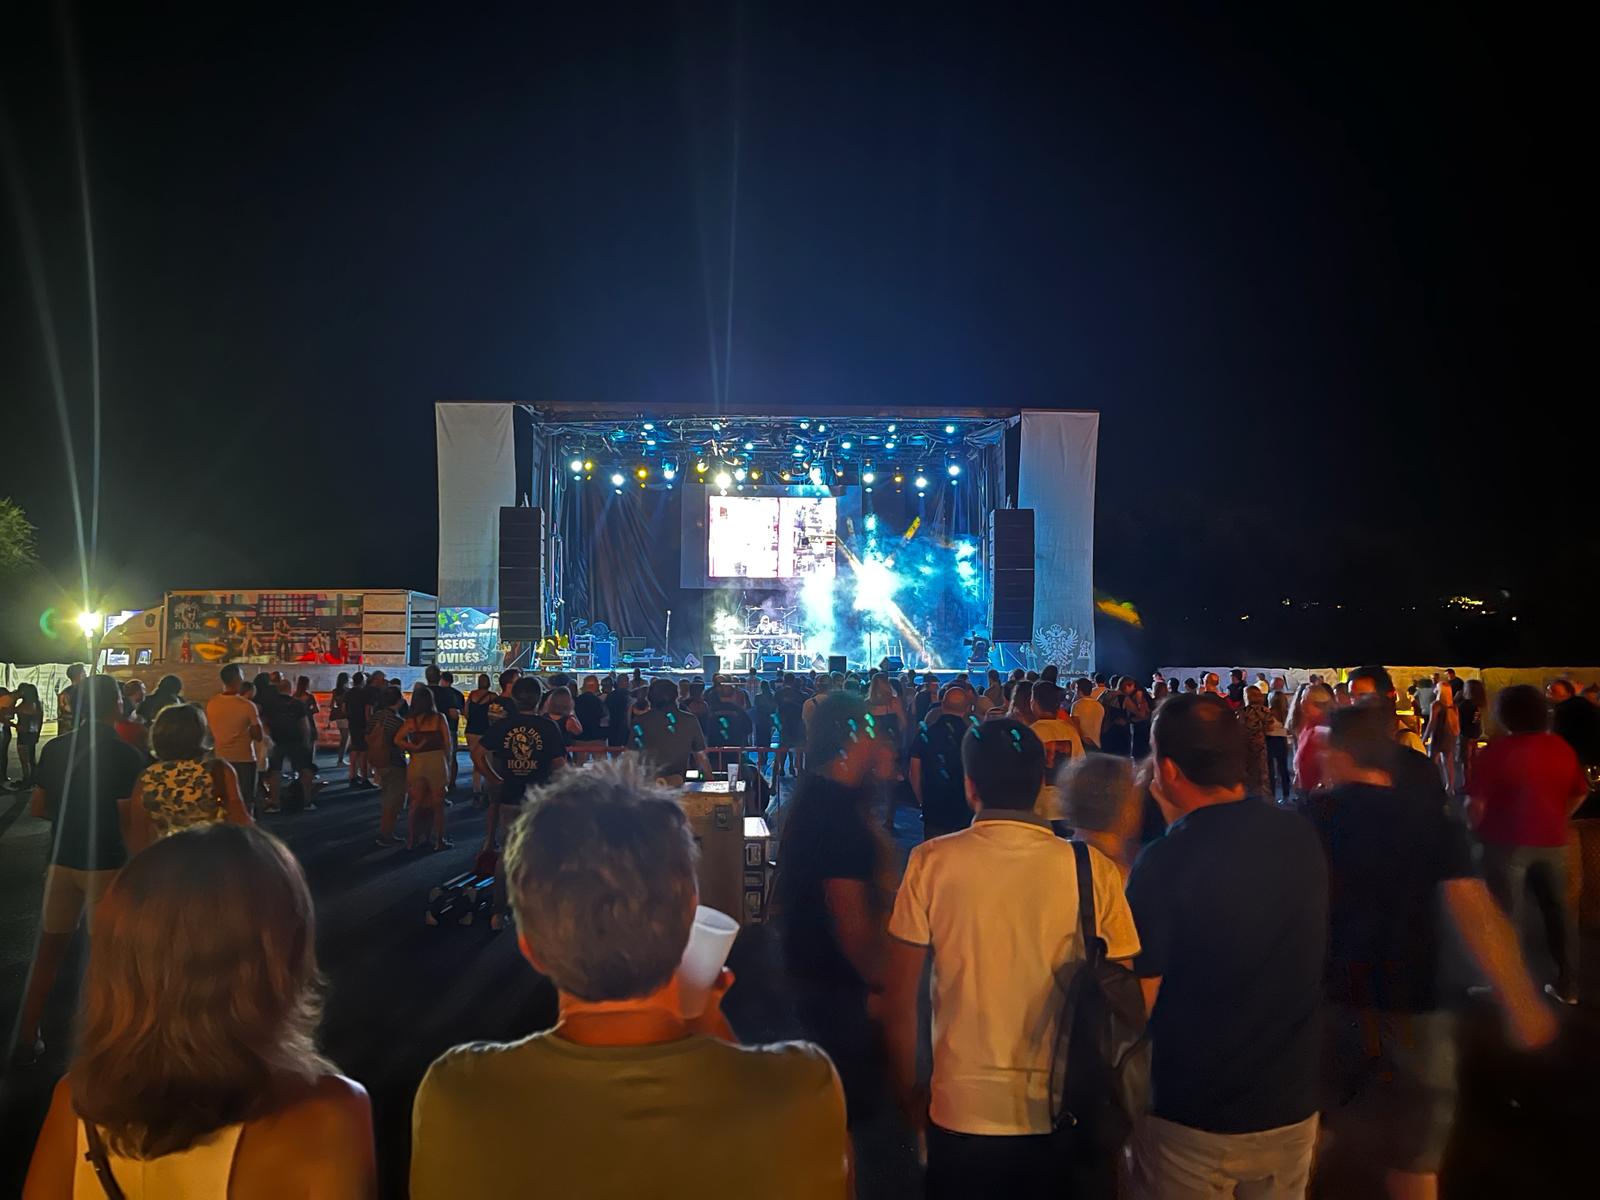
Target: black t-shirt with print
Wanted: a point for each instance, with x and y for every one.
(526, 748)
(937, 747)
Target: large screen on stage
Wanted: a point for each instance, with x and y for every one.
(770, 537)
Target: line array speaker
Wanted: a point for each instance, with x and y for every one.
(521, 574)
(1009, 561)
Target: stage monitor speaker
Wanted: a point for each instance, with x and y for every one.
(521, 574)
(772, 665)
(838, 664)
(603, 652)
(713, 666)
(1009, 559)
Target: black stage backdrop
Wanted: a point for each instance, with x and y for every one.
(618, 556)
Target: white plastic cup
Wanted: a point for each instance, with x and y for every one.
(710, 940)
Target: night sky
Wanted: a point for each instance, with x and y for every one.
(1317, 269)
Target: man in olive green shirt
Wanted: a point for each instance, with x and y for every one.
(627, 1096)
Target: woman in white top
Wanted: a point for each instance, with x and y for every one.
(196, 1075)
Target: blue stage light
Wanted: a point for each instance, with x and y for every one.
(648, 425)
(888, 445)
(947, 428)
(868, 477)
(617, 479)
(921, 481)
(845, 445)
(954, 469)
(891, 429)
(805, 424)
(668, 472)
(749, 445)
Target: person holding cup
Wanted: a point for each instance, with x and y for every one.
(640, 1089)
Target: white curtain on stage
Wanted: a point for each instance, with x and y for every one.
(477, 477)
(1056, 479)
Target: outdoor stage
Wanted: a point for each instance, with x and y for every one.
(766, 541)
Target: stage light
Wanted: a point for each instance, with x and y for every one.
(868, 477)
(588, 466)
(700, 467)
(739, 474)
(89, 622)
(921, 481)
(643, 472)
(649, 426)
(816, 476)
(716, 427)
(723, 479)
(954, 469)
(755, 472)
(649, 441)
(805, 424)
(749, 445)
(617, 480)
(888, 445)
(891, 429)
(845, 445)
(947, 428)
(783, 475)
(799, 450)
(899, 478)
(669, 473)
(822, 429)
(576, 464)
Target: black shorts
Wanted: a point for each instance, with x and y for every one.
(297, 753)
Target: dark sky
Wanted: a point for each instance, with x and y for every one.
(1318, 270)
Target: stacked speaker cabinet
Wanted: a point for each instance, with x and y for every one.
(521, 574)
(1008, 550)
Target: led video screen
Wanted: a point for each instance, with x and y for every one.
(770, 537)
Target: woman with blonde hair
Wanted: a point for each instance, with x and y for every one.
(196, 1072)
(186, 785)
(1444, 727)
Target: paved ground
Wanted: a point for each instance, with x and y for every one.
(401, 992)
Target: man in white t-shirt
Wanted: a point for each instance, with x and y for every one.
(235, 730)
(996, 905)
(1089, 713)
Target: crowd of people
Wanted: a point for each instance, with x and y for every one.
(1281, 911)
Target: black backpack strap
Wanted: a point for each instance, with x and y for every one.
(100, 1161)
(1086, 921)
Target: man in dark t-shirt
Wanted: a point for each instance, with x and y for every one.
(524, 748)
(79, 784)
(937, 776)
(590, 710)
(358, 703)
(1231, 908)
(618, 702)
(450, 704)
(1398, 859)
(519, 752)
(831, 896)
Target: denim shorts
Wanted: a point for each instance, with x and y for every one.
(1390, 1083)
